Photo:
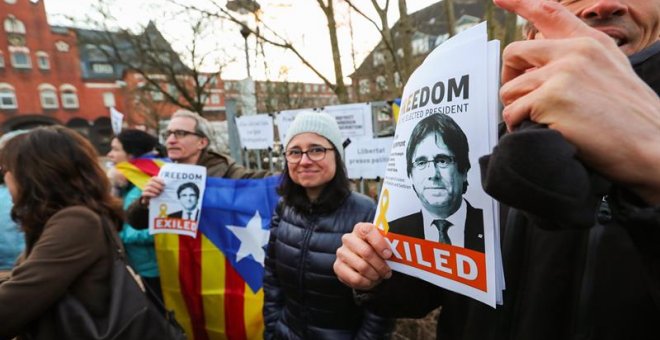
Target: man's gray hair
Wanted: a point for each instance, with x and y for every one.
(202, 127)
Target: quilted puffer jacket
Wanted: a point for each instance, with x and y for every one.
(303, 297)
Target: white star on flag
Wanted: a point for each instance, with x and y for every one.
(253, 238)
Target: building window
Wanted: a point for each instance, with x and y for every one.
(381, 83)
(13, 25)
(10, 1)
(102, 68)
(7, 97)
(69, 97)
(42, 60)
(20, 59)
(379, 58)
(172, 91)
(2, 60)
(108, 99)
(48, 96)
(157, 96)
(420, 46)
(308, 88)
(364, 86)
(215, 99)
(202, 79)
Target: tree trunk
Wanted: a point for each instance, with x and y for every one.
(340, 89)
(407, 31)
(451, 18)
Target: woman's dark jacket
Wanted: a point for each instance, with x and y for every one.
(303, 297)
(581, 254)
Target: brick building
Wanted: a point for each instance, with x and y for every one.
(40, 75)
(430, 30)
(54, 75)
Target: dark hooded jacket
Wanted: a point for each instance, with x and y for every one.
(581, 254)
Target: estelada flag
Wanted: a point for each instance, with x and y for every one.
(214, 282)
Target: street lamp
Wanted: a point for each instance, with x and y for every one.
(245, 32)
(243, 6)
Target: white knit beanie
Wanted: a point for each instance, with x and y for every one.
(319, 123)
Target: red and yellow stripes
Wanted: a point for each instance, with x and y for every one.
(209, 298)
(138, 171)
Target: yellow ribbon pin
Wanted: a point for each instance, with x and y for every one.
(384, 203)
(162, 210)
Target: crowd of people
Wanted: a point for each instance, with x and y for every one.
(580, 96)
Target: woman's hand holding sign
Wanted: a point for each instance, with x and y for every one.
(361, 259)
(578, 81)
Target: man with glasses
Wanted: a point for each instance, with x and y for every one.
(189, 139)
(437, 164)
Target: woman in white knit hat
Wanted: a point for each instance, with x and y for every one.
(303, 297)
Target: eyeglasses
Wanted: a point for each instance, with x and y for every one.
(178, 134)
(315, 153)
(440, 161)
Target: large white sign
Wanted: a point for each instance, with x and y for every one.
(441, 225)
(354, 120)
(284, 120)
(255, 132)
(367, 158)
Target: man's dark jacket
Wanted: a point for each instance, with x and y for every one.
(413, 225)
(576, 266)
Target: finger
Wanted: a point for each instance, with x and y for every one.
(517, 87)
(362, 257)
(357, 264)
(552, 19)
(352, 278)
(369, 233)
(522, 109)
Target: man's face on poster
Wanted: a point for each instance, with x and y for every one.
(436, 178)
(188, 199)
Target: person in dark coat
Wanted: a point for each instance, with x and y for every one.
(437, 165)
(303, 297)
(579, 170)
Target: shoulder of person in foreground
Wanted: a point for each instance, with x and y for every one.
(72, 240)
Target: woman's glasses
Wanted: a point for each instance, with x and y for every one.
(315, 153)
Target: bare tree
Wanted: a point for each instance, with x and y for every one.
(266, 34)
(451, 17)
(147, 53)
(398, 63)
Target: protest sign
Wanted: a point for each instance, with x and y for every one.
(354, 120)
(367, 158)
(439, 222)
(177, 209)
(256, 131)
(116, 120)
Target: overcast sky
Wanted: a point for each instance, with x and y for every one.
(302, 21)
